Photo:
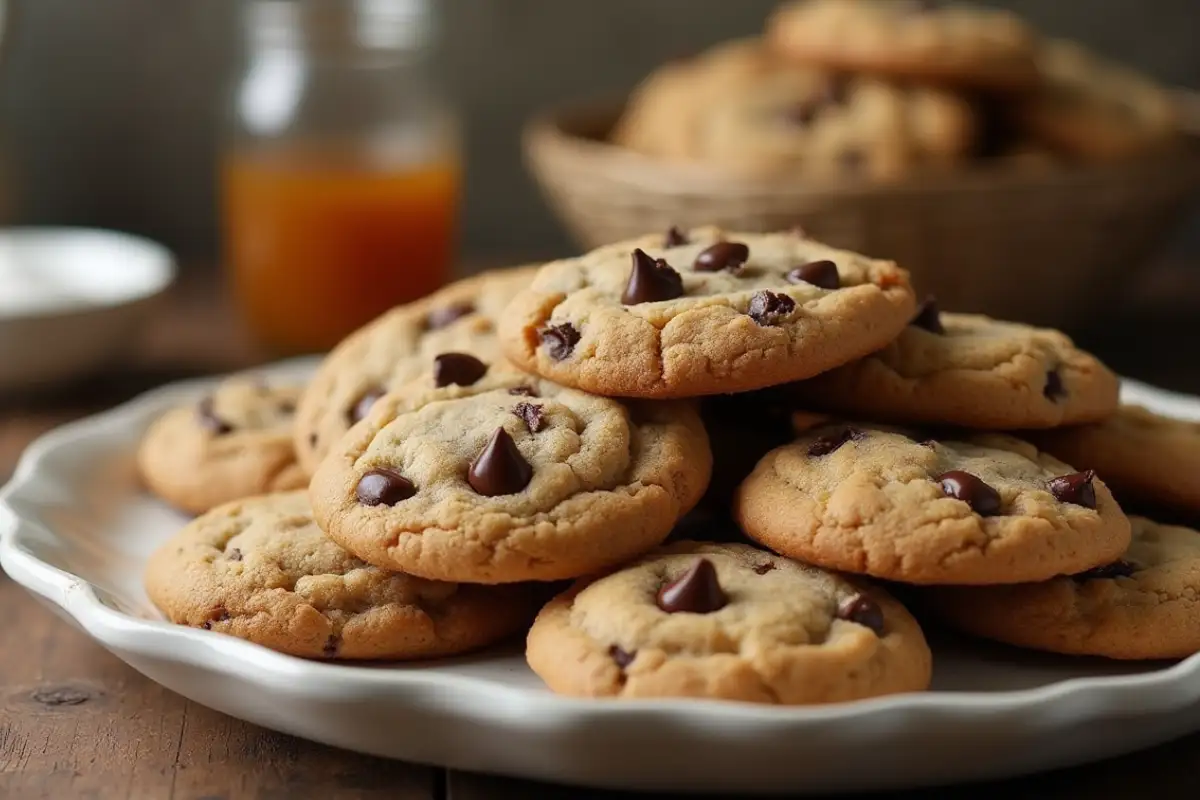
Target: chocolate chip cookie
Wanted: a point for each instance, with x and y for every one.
(953, 44)
(1143, 456)
(730, 622)
(970, 371)
(1142, 606)
(703, 312)
(1093, 108)
(261, 570)
(738, 111)
(510, 478)
(233, 443)
(909, 507)
(415, 343)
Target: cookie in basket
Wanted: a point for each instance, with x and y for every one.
(908, 507)
(510, 478)
(954, 44)
(703, 312)
(1143, 456)
(260, 569)
(234, 443)
(970, 371)
(730, 622)
(415, 343)
(1093, 108)
(1142, 606)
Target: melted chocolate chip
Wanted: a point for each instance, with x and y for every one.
(208, 419)
(330, 648)
(862, 610)
(768, 308)
(1117, 569)
(928, 317)
(852, 159)
(460, 369)
(651, 281)
(499, 468)
(697, 591)
(559, 340)
(533, 415)
(622, 658)
(383, 487)
(523, 391)
(286, 407)
(441, 317)
(763, 569)
(234, 554)
(824, 445)
(819, 273)
(803, 112)
(313, 439)
(1054, 389)
(1077, 488)
(362, 406)
(675, 237)
(730, 256)
(983, 499)
(835, 90)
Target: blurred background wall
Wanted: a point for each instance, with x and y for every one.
(109, 108)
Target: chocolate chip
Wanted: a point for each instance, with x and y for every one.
(1054, 389)
(824, 445)
(730, 256)
(560, 340)
(218, 614)
(1076, 488)
(383, 487)
(460, 369)
(330, 649)
(533, 414)
(983, 499)
(675, 237)
(441, 317)
(763, 569)
(235, 554)
(208, 419)
(852, 159)
(313, 439)
(697, 591)
(819, 273)
(499, 468)
(862, 610)
(804, 112)
(287, 407)
(928, 316)
(622, 658)
(651, 281)
(362, 406)
(768, 308)
(1117, 569)
(835, 90)
(523, 391)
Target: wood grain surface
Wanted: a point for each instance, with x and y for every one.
(76, 722)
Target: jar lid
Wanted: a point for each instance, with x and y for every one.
(339, 25)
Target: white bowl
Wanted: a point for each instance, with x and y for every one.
(72, 300)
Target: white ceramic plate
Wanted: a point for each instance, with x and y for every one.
(72, 299)
(76, 531)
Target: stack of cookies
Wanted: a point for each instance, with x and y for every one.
(727, 442)
(878, 89)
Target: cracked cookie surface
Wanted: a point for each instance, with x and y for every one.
(954, 44)
(509, 479)
(1143, 456)
(703, 312)
(1143, 606)
(749, 626)
(399, 349)
(260, 569)
(235, 442)
(973, 372)
(910, 508)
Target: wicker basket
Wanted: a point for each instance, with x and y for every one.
(1051, 245)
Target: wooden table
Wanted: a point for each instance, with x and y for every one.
(76, 722)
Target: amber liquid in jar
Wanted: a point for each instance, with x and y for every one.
(320, 244)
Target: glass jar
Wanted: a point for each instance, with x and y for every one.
(340, 175)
